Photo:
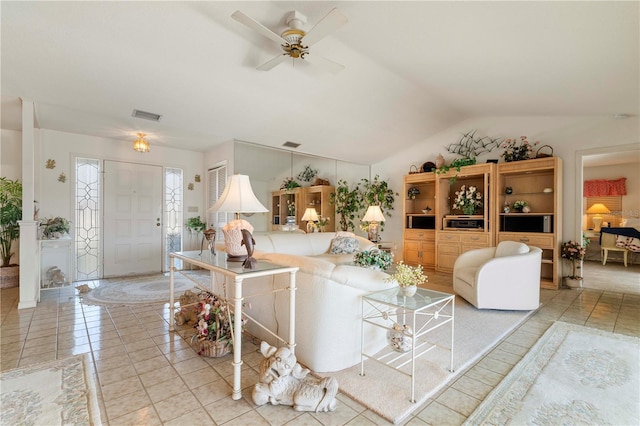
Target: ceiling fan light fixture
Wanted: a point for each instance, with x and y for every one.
(140, 144)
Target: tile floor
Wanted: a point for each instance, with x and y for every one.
(148, 376)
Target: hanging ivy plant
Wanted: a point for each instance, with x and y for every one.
(348, 202)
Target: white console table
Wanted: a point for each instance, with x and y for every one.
(234, 270)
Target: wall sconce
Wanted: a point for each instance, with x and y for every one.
(373, 216)
(310, 215)
(140, 144)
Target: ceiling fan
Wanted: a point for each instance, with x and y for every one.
(295, 41)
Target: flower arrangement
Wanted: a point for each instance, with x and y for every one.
(573, 251)
(291, 208)
(322, 222)
(519, 205)
(195, 224)
(406, 275)
(468, 199)
(516, 150)
(412, 192)
(215, 321)
(55, 227)
(375, 258)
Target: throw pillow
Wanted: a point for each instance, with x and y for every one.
(510, 248)
(344, 245)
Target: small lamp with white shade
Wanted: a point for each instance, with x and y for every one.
(237, 197)
(374, 216)
(311, 216)
(598, 209)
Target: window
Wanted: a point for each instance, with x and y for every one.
(217, 180)
(172, 213)
(87, 220)
(613, 203)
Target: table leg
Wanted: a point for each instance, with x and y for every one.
(292, 311)
(237, 339)
(171, 298)
(453, 307)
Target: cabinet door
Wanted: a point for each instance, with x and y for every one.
(411, 254)
(447, 255)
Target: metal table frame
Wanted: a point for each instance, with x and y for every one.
(436, 307)
(235, 271)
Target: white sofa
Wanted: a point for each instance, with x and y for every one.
(503, 277)
(328, 299)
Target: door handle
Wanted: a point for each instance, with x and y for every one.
(158, 220)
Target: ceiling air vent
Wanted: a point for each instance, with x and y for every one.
(289, 144)
(146, 115)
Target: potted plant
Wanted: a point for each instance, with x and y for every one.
(412, 192)
(322, 222)
(376, 192)
(520, 205)
(373, 259)
(408, 278)
(347, 202)
(573, 251)
(518, 150)
(55, 227)
(289, 184)
(194, 224)
(10, 214)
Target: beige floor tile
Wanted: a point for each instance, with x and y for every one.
(144, 416)
(458, 401)
(167, 389)
(226, 409)
(153, 377)
(177, 406)
(126, 404)
(305, 419)
(151, 364)
(116, 374)
(439, 415)
(199, 417)
(213, 391)
(334, 418)
(472, 387)
(121, 388)
(189, 365)
(250, 418)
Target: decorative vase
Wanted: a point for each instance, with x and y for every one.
(439, 161)
(573, 282)
(526, 209)
(409, 291)
(508, 190)
(399, 338)
(469, 210)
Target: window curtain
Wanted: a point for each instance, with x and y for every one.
(603, 187)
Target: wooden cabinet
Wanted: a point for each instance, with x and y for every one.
(318, 197)
(419, 212)
(457, 232)
(538, 182)
(294, 203)
(286, 203)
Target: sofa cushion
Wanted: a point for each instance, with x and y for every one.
(344, 245)
(467, 274)
(510, 248)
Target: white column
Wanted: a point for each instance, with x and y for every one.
(29, 255)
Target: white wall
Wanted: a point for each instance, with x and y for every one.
(565, 134)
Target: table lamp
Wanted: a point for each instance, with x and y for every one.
(373, 216)
(237, 197)
(310, 215)
(598, 209)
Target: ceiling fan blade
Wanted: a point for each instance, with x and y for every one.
(324, 63)
(331, 22)
(272, 63)
(257, 26)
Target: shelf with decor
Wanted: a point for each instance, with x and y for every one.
(317, 196)
(460, 227)
(286, 204)
(538, 184)
(419, 210)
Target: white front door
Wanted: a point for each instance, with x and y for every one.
(132, 219)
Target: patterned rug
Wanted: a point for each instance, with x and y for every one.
(573, 375)
(142, 290)
(53, 393)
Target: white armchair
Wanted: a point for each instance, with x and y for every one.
(503, 277)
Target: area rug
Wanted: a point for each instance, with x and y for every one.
(60, 392)
(387, 392)
(143, 290)
(573, 375)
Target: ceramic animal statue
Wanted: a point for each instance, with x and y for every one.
(282, 381)
(248, 242)
(55, 275)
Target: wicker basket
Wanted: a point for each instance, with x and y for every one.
(413, 169)
(541, 151)
(214, 349)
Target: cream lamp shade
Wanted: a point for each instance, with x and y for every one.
(598, 209)
(373, 216)
(237, 197)
(310, 215)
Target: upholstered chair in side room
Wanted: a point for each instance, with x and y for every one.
(504, 277)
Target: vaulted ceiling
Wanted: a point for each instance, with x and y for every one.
(411, 69)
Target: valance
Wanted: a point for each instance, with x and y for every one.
(603, 187)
